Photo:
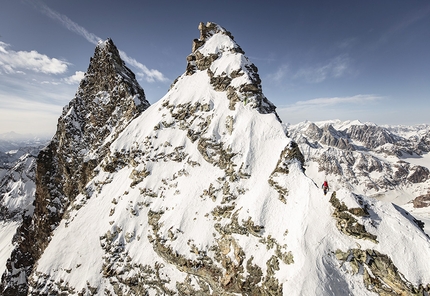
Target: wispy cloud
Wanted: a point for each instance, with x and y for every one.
(347, 43)
(40, 117)
(344, 108)
(69, 24)
(334, 68)
(280, 73)
(32, 106)
(357, 99)
(75, 78)
(17, 103)
(409, 19)
(13, 62)
(150, 75)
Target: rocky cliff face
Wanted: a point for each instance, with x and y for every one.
(17, 191)
(17, 188)
(204, 194)
(108, 98)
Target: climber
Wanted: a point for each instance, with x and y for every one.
(325, 187)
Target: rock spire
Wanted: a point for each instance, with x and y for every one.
(239, 78)
(108, 98)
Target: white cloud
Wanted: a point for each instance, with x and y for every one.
(334, 68)
(32, 105)
(410, 18)
(48, 82)
(76, 78)
(150, 75)
(331, 108)
(347, 43)
(15, 61)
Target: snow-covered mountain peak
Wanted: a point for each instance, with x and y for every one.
(214, 39)
(374, 160)
(107, 60)
(228, 69)
(108, 97)
(203, 193)
(107, 100)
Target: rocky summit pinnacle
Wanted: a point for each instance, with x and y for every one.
(229, 70)
(108, 98)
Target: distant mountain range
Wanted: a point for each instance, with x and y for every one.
(11, 142)
(365, 157)
(390, 163)
(206, 192)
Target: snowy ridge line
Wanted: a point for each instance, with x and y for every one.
(203, 193)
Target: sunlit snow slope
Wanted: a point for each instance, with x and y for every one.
(203, 193)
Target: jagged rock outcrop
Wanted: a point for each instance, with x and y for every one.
(371, 136)
(248, 90)
(380, 275)
(17, 190)
(422, 201)
(108, 98)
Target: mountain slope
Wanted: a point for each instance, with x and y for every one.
(386, 162)
(17, 191)
(107, 99)
(204, 194)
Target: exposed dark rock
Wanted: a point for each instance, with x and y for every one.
(15, 184)
(371, 136)
(331, 137)
(418, 174)
(362, 154)
(422, 201)
(346, 223)
(380, 275)
(290, 154)
(108, 98)
(313, 132)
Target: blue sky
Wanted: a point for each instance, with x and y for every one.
(318, 60)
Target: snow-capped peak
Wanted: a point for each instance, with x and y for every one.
(228, 69)
(204, 194)
(107, 100)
